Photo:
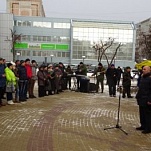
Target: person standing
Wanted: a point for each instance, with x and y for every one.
(127, 82)
(15, 70)
(33, 79)
(58, 74)
(119, 73)
(10, 81)
(82, 69)
(2, 80)
(29, 75)
(41, 81)
(143, 97)
(99, 72)
(23, 80)
(51, 78)
(69, 73)
(111, 75)
(84, 81)
(4, 89)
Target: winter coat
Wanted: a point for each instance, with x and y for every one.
(41, 78)
(22, 73)
(2, 79)
(99, 72)
(111, 75)
(29, 71)
(144, 93)
(10, 76)
(34, 74)
(83, 70)
(127, 79)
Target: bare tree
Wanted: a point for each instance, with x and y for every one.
(143, 45)
(101, 48)
(15, 38)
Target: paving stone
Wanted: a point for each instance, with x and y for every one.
(72, 121)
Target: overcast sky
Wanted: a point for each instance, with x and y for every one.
(120, 10)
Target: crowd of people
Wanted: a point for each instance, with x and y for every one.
(20, 78)
(17, 79)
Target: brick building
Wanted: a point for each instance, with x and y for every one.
(25, 7)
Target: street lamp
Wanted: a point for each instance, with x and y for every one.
(83, 57)
(51, 57)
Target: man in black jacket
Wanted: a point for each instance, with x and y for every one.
(111, 75)
(23, 81)
(144, 101)
(127, 82)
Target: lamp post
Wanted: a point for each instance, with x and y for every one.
(51, 57)
(83, 57)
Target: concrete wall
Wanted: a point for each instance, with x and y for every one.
(6, 24)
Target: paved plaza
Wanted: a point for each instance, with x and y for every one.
(72, 121)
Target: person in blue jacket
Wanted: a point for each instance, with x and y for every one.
(2, 80)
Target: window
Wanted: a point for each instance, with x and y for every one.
(61, 25)
(42, 24)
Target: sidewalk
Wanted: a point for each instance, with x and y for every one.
(72, 121)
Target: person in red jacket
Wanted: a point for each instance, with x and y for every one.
(29, 75)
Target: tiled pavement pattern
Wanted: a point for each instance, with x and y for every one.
(71, 121)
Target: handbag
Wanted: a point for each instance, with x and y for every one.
(10, 87)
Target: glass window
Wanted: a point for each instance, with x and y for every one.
(44, 38)
(59, 54)
(40, 38)
(28, 23)
(26, 53)
(83, 39)
(25, 38)
(24, 23)
(61, 25)
(48, 38)
(19, 23)
(63, 54)
(42, 24)
(36, 53)
(35, 38)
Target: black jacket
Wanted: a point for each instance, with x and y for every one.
(144, 93)
(22, 73)
(127, 78)
(111, 75)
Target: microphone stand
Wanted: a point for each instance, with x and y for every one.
(118, 115)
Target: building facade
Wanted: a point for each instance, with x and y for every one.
(68, 40)
(6, 24)
(143, 40)
(25, 7)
